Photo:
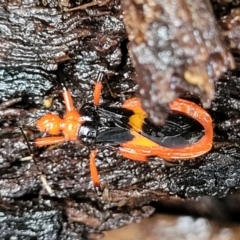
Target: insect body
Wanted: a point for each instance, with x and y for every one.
(127, 128)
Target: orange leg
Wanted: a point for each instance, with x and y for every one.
(97, 89)
(40, 142)
(93, 168)
(68, 100)
(97, 93)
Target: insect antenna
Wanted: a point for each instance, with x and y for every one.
(42, 176)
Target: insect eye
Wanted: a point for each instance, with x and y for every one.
(92, 133)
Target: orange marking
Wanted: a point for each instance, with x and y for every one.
(132, 154)
(132, 104)
(141, 146)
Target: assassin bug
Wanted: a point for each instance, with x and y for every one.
(126, 127)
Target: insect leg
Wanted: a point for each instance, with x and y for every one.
(93, 168)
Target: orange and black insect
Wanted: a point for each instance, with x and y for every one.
(128, 128)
